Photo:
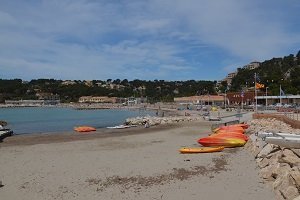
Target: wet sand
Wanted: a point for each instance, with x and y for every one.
(135, 163)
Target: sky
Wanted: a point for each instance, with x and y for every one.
(142, 39)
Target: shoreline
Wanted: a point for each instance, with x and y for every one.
(69, 136)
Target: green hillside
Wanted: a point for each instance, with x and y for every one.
(272, 73)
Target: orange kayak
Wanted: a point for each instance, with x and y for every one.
(226, 142)
(200, 149)
(229, 131)
(230, 128)
(84, 129)
(244, 126)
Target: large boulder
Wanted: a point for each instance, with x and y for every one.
(289, 193)
(266, 150)
(289, 157)
(295, 175)
(266, 173)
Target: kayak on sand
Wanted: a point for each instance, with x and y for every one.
(200, 149)
(84, 129)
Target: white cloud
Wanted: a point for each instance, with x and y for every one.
(170, 39)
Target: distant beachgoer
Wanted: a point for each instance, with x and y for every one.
(163, 114)
(147, 124)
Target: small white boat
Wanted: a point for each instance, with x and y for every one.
(121, 126)
(289, 142)
(282, 135)
(5, 133)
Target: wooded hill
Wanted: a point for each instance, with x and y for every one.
(70, 91)
(272, 73)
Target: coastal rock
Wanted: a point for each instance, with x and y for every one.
(289, 157)
(279, 165)
(262, 162)
(295, 175)
(153, 121)
(296, 152)
(253, 138)
(297, 198)
(282, 181)
(290, 192)
(281, 169)
(258, 146)
(270, 159)
(266, 173)
(267, 149)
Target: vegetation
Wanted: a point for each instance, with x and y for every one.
(70, 91)
(272, 73)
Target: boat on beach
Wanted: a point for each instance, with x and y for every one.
(5, 132)
(200, 149)
(289, 142)
(121, 126)
(221, 141)
(270, 134)
(84, 129)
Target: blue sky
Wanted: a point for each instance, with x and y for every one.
(142, 39)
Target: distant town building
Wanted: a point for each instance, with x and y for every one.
(97, 99)
(239, 98)
(31, 102)
(68, 82)
(88, 83)
(229, 77)
(252, 65)
(202, 99)
(47, 96)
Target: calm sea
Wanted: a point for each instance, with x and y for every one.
(41, 120)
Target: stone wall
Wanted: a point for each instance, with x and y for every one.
(293, 123)
(161, 120)
(279, 166)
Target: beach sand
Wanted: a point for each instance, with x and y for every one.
(135, 163)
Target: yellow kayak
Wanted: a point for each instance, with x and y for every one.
(200, 149)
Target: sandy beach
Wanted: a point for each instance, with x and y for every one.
(135, 163)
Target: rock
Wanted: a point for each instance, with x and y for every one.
(267, 149)
(297, 198)
(281, 169)
(289, 157)
(266, 173)
(253, 137)
(296, 151)
(262, 162)
(281, 182)
(278, 165)
(290, 192)
(258, 146)
(295, 175)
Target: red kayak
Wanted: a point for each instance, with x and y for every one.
(226, 142)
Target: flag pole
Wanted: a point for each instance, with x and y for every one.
(280, 95)
(242, 101)
(255, 92)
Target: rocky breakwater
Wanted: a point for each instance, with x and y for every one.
(153, 121)
(280, 167)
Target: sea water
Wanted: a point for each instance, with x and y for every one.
(53, 119)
